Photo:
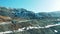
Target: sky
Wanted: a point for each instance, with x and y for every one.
(33, 5)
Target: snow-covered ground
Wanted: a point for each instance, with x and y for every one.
(30, 27)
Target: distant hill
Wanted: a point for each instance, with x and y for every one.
(23, 13)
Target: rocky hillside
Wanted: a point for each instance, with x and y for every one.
(22, 21)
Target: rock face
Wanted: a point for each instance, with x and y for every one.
(22, 21)
(4, 19)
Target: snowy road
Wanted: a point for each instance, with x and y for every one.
(3, 23)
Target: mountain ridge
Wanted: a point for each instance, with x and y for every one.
(23, 13)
